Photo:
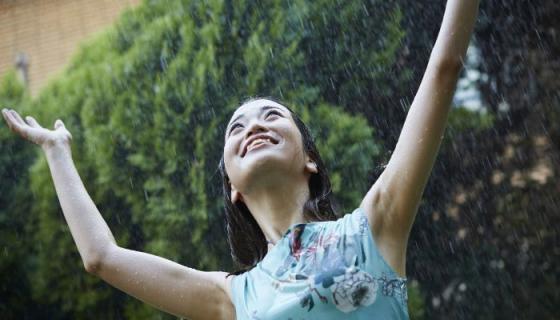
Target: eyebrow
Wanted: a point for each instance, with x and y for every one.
(263, 109)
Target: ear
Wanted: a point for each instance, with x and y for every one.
(235, 195)
(311, 166)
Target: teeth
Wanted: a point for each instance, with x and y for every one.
(256, 141)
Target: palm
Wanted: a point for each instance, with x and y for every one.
(33, 131)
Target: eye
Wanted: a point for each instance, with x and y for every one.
(271, 113)
(234, 127)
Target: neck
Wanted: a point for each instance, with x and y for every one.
(277, 207)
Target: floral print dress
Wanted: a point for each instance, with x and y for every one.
(322, 270)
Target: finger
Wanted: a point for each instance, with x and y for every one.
(18, 118)
(6, 117)
(14, 124)
(58, 123)
(32, 122)
(4, 114)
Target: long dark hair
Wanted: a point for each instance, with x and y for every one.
(246, 240)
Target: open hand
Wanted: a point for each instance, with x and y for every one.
(32, 131)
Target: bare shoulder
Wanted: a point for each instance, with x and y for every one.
(223, 284)
(223, 281)
(228, 286)
(379, 207)
(376, 207)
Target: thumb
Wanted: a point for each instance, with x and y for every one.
(58, 123)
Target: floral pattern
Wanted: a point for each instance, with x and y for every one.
(353, 289)
(322, 270)
(338, 271)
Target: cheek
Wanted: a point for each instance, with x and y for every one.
(296, 141)
(229, 153)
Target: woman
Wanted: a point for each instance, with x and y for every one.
(277, 191)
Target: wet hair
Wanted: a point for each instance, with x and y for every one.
(246, 240)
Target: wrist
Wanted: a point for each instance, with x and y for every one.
(56, 147)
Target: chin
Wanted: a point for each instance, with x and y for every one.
(266, 167)
(265, 161)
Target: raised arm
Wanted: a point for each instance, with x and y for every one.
(164, 284)
(392, 202)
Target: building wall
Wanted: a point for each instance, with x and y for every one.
(48, 32)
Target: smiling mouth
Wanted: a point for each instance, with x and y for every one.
(258, 143)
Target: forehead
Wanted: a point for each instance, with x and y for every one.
(255, 106)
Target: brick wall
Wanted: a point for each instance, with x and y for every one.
(48, 32)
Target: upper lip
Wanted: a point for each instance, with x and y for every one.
(255, 137)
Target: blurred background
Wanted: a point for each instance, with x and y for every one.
(147, 87)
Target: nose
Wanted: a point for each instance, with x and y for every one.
(254, 127)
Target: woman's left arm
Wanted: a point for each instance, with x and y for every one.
(392, 202)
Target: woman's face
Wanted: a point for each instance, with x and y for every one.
(263, 144)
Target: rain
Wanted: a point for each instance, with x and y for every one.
(136, 97)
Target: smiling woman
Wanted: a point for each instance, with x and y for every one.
(283, 231)
(290, 166)
(298, 258)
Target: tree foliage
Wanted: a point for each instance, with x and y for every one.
(15, 220)
(147, 103)
(485, 244)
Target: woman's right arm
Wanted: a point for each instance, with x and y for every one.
(164, 284)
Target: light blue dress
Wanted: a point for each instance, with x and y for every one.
(322, 270)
